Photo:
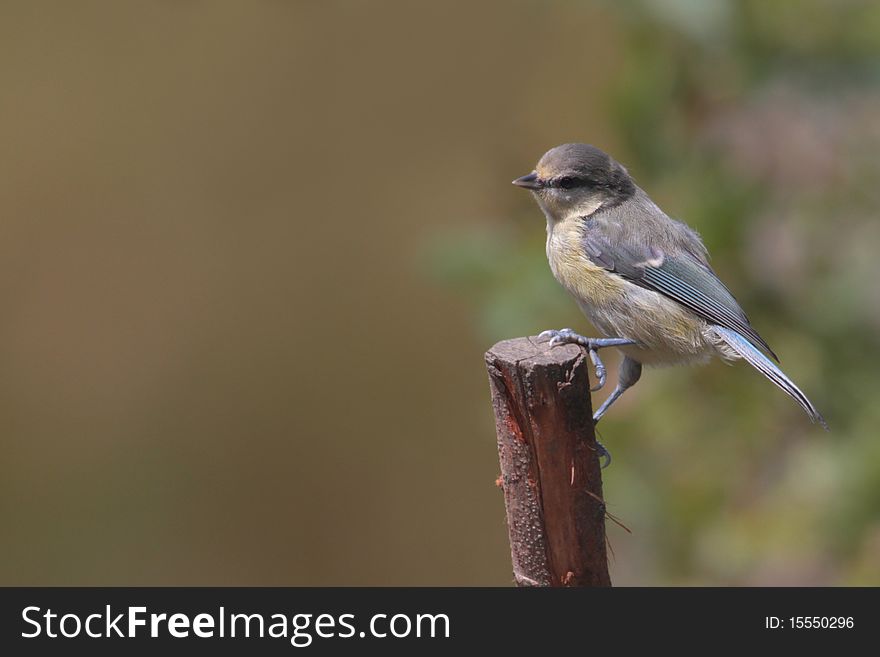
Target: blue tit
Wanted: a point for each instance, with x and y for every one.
(642, 278)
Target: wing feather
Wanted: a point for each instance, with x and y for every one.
(681, 277)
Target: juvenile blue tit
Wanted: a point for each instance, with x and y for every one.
(641, 278)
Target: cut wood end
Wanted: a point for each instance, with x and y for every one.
(528, 351)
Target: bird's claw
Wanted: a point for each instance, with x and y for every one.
(561, 336)
(592, 345)
(604, 454)
(600, 370)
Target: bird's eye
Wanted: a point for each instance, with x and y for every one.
(566, 182)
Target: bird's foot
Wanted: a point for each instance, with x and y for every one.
(604, 454)
(592, 345)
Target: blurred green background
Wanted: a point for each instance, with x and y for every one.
(252, 254)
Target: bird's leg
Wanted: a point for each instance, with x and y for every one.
(592, 345)
(629, 373)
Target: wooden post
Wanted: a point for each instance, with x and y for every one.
(549, 465)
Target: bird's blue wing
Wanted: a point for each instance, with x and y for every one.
(683, 277)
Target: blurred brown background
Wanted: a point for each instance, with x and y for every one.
(252, 254)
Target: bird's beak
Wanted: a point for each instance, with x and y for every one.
(528, 181)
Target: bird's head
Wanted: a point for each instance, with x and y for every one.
(576, 180)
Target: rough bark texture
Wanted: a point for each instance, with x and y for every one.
(549, 466)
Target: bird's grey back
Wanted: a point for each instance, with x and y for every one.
(640, 224)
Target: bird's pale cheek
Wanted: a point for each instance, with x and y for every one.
(546, 208)
(550, 201)
(587, 205)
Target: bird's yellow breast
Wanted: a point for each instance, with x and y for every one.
(574, 270)
(665, 331)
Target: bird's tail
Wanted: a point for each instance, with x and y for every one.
(769, 369)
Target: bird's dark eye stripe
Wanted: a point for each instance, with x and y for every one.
(567, 182)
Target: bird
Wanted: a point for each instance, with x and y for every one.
(642, 278)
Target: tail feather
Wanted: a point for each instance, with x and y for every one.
(769, 369)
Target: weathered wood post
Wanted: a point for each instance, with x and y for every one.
(549, 465)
